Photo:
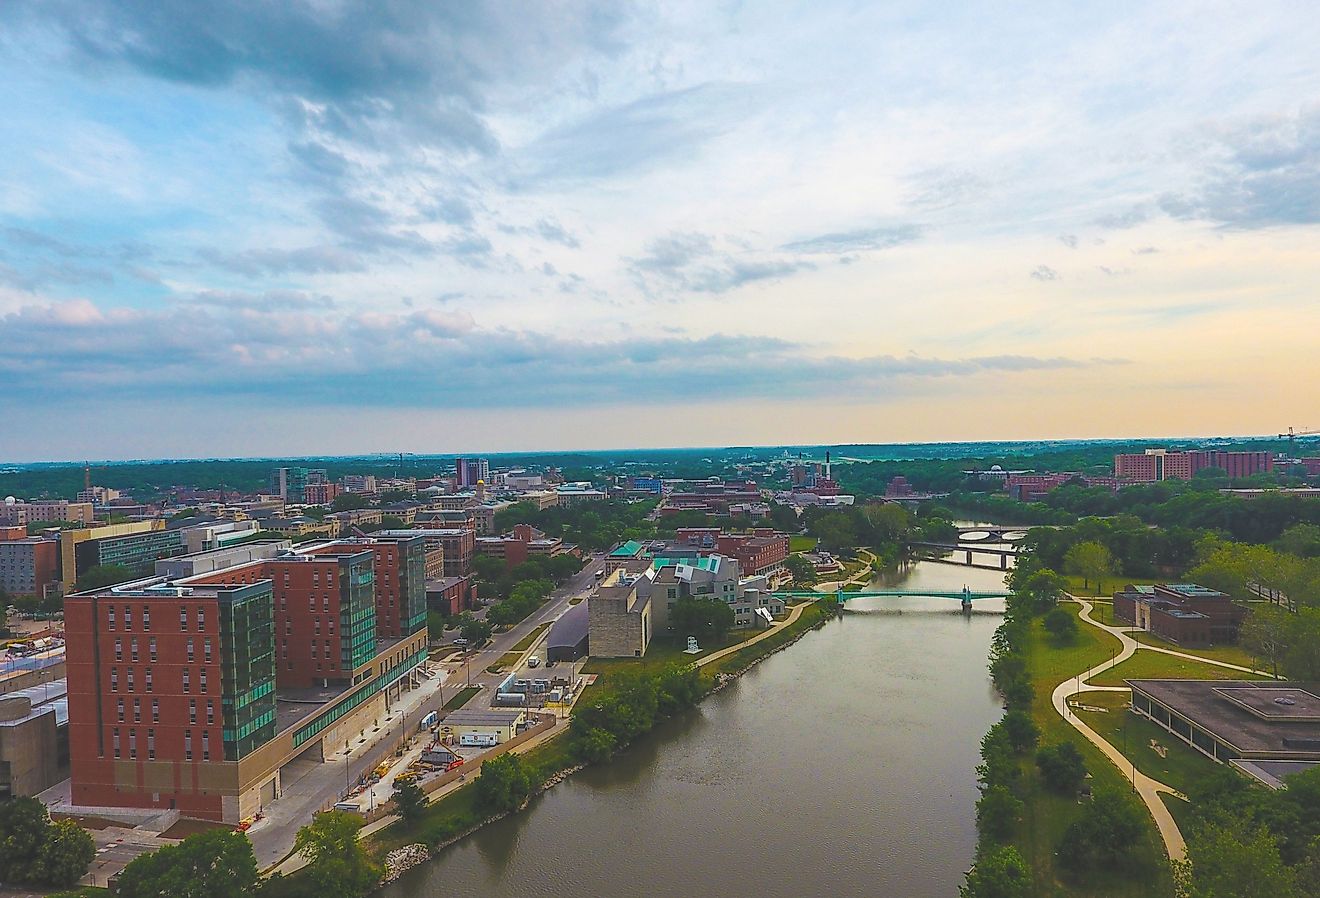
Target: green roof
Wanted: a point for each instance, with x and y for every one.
(628, 550)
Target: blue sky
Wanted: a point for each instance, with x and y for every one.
(257, 228)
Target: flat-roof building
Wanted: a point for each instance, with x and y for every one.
(1181, 612)
(1266, 728)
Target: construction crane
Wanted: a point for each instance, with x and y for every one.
(1291, 436)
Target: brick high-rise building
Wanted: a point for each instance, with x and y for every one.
(400, 573)
(1159, 464)
(169, 688)
(325, 612)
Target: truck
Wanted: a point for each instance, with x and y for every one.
(534, 661)
(481, 739)
(510, 699)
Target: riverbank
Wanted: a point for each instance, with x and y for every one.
(455, 817)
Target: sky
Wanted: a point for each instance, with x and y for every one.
(251, 228)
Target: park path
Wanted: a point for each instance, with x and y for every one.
(1147, 788)
(793, 615)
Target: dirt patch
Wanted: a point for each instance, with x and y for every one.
(88, 822)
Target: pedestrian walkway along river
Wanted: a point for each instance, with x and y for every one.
(844, 765)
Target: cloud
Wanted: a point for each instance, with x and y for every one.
(286, 355)
(449, 209)
(1068, 240)
(632, 137)
(1045, 273)
(256, 263)
(1123, 220)
(1145, 251)
(1114, 272)
(556, 233)
(944, 188)
(687, 261)
(270, 301)
(1264, 172)
(856, 241)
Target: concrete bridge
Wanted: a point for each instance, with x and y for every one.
(991, 534)
(966, 596)
(940, 548)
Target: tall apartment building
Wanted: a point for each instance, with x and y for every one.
(1160, 464)
(359, 483)
(29, 566)
(469, 471)
(400, 576)
(325, 612)
(169, 689)
(46, 510)
(290, 484)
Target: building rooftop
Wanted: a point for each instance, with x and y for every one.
(293, 706)
(627, 550)
(482, 717)
(1247, 714)
(571, 628)
(44, 699)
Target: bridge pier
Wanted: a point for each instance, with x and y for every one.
(1003, 562)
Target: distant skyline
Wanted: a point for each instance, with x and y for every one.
(257, 229)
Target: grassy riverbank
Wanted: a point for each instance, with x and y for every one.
(1048, 815)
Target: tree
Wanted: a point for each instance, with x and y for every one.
(708, 619)
(409, 799)
(1103, 837)
(1091, 561)
(997, 811)
(213, 864)
(103, 575)
(1061, 767)
(1264, 634)
(803, 571)
(1021, 730)
(473, 630)
(1238, 859)
(1043, 589)
(23, 824)
(337, 863)
(503, 785)
(999, 873)
(1061, 625)
(594, 744)
(349, 502)
(66, 853)
(1302, 660)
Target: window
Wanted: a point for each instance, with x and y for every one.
(311, 603)
(151, 745)
(201, 620)
(183, 619)
(119, 650)
(317, 623)
(206, 746)
(132, 648)
(148, 679)
(191, 651)
(146, 617)
(110, 617)
(114, 679)
(132, 744)
(151, 647)
(137, 710)
(192, 710)
(120, 704)
(155, 711)
(130, 679)
(206, 649)
(288, 627)
(203, 679)
(128, 618)
(210, 713)
(116, 741)
(187, 681)
(187, 745)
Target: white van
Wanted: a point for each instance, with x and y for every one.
(534, 661)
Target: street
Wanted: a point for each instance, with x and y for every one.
(322, 784)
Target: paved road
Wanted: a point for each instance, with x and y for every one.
(320, 785)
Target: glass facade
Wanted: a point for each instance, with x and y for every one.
(247, 667)
(357, 610)
(412, 586)
(352, 700)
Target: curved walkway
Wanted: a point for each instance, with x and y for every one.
(764, 634)
(1147, 788)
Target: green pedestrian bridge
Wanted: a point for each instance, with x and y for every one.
(965, 595)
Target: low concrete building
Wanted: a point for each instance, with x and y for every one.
(468, 727)
(1266, 728)
(619, 615)
(219, 559)
(34, 739)
(569, 637)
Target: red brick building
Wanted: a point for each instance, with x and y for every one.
(758, 552)
(451, 595)
(1181, 612)
(325, 612)
(1158, 464)
(521, 543)
(459, 545)
(400, 572)
(321, 493)
(168, 689)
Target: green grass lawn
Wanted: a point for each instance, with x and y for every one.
(1132, 735)
(1104, 613)
(461, 698)
(799, 543)
(526, 642)
(1080, 587)
(1146, 665)
(1047, 815)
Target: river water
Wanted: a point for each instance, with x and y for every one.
(844, 765)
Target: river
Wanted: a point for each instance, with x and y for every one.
(844, 765)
